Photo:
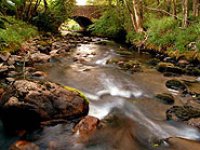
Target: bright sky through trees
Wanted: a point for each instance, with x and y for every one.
(81, 2)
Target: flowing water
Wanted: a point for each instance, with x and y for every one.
(135, 120)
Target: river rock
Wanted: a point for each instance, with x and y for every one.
(183, 62)
(3, 68)
(11, 61)
(153, 62)
(24, 145)
(87, 126)
(39, 74)
(12, 74)
(194, 122)
(182, 113)
(169, 67)
(44, 49)
(4, 56)
(127, 65)
(176, 85)
(40, 58)
(25, 104)
(194, 71)
(165, 98)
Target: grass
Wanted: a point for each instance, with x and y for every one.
(166, 33)
(15, 33)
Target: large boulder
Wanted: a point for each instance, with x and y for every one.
(27, 104)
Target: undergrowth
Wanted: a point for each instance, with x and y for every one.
(15, 33)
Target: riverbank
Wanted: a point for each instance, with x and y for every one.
(14, 32)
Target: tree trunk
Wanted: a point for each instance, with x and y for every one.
(196, 8)
(174, 9)
(158, 2)
(137, 19)
(45, 6)
(185, 13)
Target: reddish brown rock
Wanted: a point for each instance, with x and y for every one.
(24, 145)
(86, 127)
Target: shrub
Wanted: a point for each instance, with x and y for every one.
(161, 31)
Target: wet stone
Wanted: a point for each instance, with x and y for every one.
(39, 74)
(165, 98)
(169, 67)
(87, 125)
(182, 113)
(176, 85)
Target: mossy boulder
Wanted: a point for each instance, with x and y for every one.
(81, 94)
(165, 98)
(28, 104)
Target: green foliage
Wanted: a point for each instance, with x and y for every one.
(133, 37)
(2, 24)
(185, 36)
(70, 24)
(45, 22)
(58, 11)
(161, 31)
(109, 24)
(16, 32)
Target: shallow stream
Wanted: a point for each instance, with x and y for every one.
(136, 119)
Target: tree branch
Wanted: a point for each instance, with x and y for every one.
(163, 12)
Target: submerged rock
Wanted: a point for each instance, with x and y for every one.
(165, 98)
(127, 65)
(26, 104)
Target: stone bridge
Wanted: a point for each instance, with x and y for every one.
(84, 15)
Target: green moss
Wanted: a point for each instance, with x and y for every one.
(77, 91)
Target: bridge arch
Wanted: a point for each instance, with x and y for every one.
(83, 21)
